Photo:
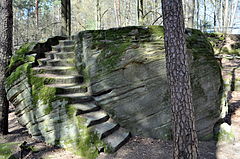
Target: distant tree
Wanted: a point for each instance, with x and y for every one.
(66, 17)
(36, 6)
(191, 5)
(6, 27)
(189, 12)
(177, 63)
(140, 10)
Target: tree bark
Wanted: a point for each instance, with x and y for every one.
(66, 17)
(221, 16)
(191, 9)
(140, 12)
(6, 32)
(37, 19)
(177, 63)
(198, 14)
(234, 10)
(98, 15)
(204, 15)
(225, 20)
(36, 13)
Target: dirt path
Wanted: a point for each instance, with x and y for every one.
(136, 148)
(231, 72)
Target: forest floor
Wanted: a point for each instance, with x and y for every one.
(138, 147)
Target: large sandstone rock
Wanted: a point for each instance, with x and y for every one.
(127, 74)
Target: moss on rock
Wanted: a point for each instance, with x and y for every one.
(111, 54)
(87, 144)
(156, 30)
(199, 44)
(7, 150)
(21, 56)
(40, 91)
(71, 111)
(22, 69)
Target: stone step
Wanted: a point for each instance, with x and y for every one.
(66, 42)
(65, 48)
(105, 129)
(94, 118)
(58, 70)
(69, 88)
(117, 139)
(56, 62)
(77, 97)
(60, 55)
(85, 107)
(156, 43)
(61, 79)
(42, 61)
(59, 62)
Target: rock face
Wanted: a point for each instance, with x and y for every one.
(53, 102)
(84, 100)
(126, 69)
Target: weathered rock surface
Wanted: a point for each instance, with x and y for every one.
(126, 69)
(119, 82)
(53, 103)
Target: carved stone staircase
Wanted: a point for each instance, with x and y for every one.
(69, 83)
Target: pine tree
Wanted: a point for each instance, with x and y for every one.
(6, 27)
(66, 17)
(184, 132)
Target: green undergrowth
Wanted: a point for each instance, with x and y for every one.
(218, 42)
(215, 37)
(7, 150)
(225, 50)
(224, 136)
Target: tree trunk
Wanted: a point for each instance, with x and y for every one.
(140, 12)
(221, 16)
(36, 13)
(28, 17)
(66, 17)
(98, 15)
(37, 27)
(214, 18)
(234, 10)
(191, 6)
(204, 16)
(225, 20)
(6, 30)
(119, 12)
(177, 63)
(198, 14)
